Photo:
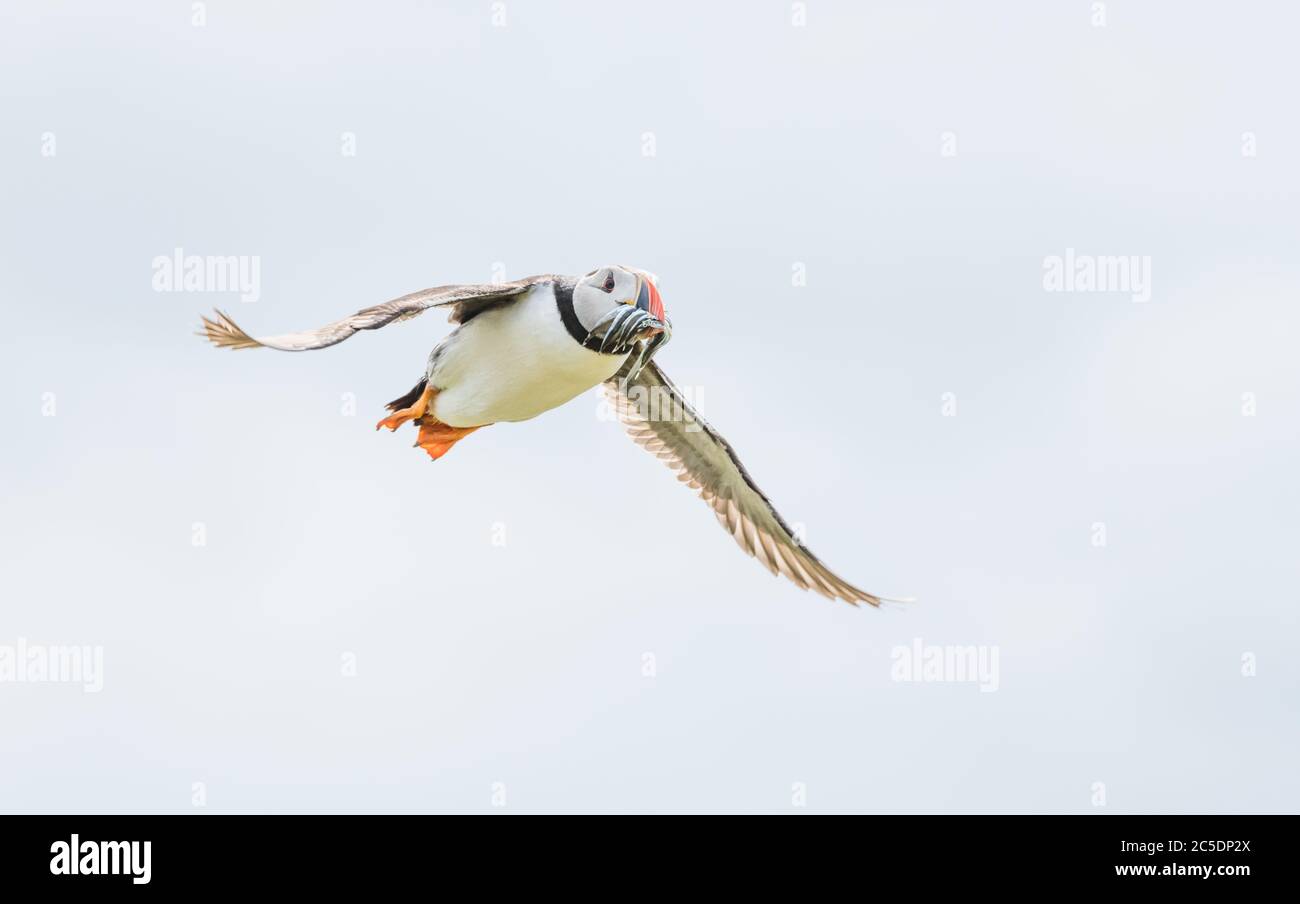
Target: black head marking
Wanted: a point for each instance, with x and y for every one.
(564, 301)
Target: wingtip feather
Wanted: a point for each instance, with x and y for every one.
(223, 332)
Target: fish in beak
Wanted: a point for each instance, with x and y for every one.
(638, 326)
(654, 333)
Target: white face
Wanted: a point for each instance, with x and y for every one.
(601, 291)
(622, 312)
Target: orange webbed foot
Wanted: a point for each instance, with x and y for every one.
(396, 419)
(436, 438)
(401, 415)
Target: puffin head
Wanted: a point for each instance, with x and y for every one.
(619, 306)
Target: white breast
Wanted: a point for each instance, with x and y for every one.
(514, 362)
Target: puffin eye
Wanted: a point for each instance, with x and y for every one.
(609, 283)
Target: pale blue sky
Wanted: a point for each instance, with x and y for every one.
(774, 146)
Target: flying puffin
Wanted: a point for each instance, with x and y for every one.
(521, 348)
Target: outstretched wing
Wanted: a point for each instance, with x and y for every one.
(465, 301)
(663, 422)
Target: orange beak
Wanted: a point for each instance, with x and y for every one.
(648, 300)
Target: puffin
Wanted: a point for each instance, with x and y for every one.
(524, 347)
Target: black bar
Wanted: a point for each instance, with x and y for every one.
(331, 853)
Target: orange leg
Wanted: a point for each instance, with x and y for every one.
(436, 438)
(415, 412)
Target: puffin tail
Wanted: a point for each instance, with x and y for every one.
(410, 398)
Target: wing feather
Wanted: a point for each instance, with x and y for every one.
(465, 302)
(660, 419)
